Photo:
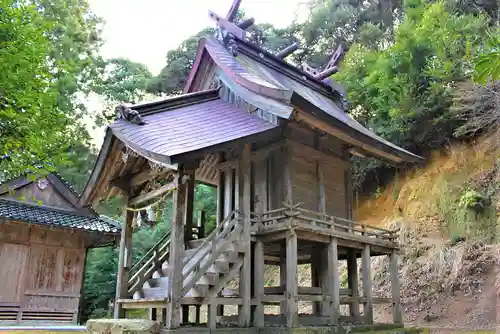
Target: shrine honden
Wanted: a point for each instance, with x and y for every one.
(275, 140)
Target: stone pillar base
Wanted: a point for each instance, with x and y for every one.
(122, 326)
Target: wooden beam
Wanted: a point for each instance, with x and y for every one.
(367, 286)
(124, 264)
(397, 314)
(158, 192)
(292, 316)
(352, 281)
(176, 251)
(258, 316)
(244, 203)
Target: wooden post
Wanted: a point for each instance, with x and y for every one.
(287, 174)
(334, 281)
(258, 316)
(188, 213)
(291, 280)
(367, 286)
(189, 224)
(316, 276)
(321, 188)
(212, 316)
(220, 195)
(197, 315)
(397, 314)
(153, 314)
(244, 203)
(124, 264)
(352, 282)
(176, 251)
(283, 276)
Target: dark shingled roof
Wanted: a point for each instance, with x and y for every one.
(187, 128)
(43, 215)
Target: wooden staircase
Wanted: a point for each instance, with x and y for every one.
(206, 269)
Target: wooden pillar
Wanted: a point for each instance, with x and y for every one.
(176, 251)
(220, 197)
(188, 213)
(283, 276)
(124, 264)
(258, 316)
(367, 286)
(397, 314)
(334, 281)
(287, 174)
(292, 317)
(321, 188)
(244, 205)
(153, 314)
(316, 276)
(352, 282)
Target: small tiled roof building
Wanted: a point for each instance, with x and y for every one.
(44, 237)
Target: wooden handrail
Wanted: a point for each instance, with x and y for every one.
(150, 252)
(296, 211)
(212, 235)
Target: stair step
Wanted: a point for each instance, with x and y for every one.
(199, 290)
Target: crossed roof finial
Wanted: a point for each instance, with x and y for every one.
(330, 68)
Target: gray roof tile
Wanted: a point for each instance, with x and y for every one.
(13, 210)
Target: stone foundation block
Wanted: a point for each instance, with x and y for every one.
(122, 326)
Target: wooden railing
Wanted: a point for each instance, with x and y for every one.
(295, 214)
(144, 268)
(206, 254)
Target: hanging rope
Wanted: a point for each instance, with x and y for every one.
(150, 204)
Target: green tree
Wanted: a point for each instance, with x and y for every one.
(173, 76)
(404, 92)
(32, 129)
(120, 80)
(487, 63)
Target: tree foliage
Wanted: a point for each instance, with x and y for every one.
(32, 129)
(404, 92)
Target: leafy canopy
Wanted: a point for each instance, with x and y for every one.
(404, 92)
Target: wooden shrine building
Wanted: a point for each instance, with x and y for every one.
(275, 140)
(44, 236)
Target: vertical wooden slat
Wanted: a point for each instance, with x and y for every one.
(367, 286)
(352, 281)
(124, 264)
(176, 252)
(334, 281)
(397, 314)
(291, 280)
(244, 204)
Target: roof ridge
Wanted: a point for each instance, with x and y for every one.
(323, 88)
(47, 207)
(178, 101)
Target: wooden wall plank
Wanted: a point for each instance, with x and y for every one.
(13, 260)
